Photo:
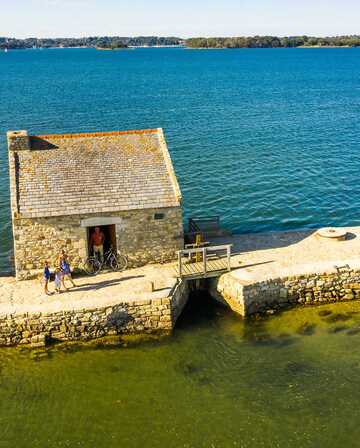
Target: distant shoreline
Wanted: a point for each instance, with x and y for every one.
(186, 47)
(12, 43)
(270, 48)
(325, 46)
(132, 47)
(274, 42)
(110, 49)
(104, 42)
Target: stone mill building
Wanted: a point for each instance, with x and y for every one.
(62, 186)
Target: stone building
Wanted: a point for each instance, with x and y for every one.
(64, 185)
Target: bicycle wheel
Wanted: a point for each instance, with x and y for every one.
(92, 266)
(122, 262)
(113, 263)
(118, 263)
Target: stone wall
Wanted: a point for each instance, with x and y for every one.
(18, 141)
(313, 288)
(142, 316)
(141, 237)
(179, 298)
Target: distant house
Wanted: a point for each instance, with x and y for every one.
(62, 186)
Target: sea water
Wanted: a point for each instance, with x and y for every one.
(266, 138)
(289, 381)
(269, 140)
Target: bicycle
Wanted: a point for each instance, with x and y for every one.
(115, 260)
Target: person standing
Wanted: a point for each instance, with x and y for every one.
(97, 240)
(64, 266)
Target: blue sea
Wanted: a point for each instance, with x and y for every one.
(267, 138)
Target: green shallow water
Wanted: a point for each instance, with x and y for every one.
(290, 380)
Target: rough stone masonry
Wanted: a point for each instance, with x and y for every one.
(137, 316)
(336, 284)
(63, 185)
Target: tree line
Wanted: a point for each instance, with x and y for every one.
(197, 42)
(273, 42)
(92, 42)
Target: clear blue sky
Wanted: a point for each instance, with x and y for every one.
(65, 18)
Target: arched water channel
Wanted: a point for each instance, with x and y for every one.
(288, 380)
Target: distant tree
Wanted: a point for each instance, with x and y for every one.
(198, 42)
(271, 41)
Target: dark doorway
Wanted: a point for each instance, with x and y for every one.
(110, 237)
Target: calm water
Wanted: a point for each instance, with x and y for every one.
(292, 380)
(269, 139)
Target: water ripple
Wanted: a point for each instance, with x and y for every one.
(267, 139)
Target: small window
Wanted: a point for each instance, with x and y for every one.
(159, 216)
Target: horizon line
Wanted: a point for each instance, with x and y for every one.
(180, 38)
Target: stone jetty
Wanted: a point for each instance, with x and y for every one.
(270, 271)
(280, 269)
(139, 300)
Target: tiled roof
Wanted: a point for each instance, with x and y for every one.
(90, 173)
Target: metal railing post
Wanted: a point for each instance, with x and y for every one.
(204, 259)
(180, 264)
(228, 251)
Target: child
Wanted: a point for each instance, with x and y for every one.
(46, 278)
(58, 280)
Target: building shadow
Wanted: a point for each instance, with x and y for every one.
(7, 274)
(106, 283)
(244, 266)
(251, 242)
(40, 143)
(350, 236)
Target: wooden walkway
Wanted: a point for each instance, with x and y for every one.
(203, 262)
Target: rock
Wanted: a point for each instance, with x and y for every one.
(37, 344)
(283, 293)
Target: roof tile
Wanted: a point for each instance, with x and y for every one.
(86, 173)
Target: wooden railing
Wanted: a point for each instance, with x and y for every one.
(204, 261)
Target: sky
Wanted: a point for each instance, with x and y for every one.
(182, 18)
